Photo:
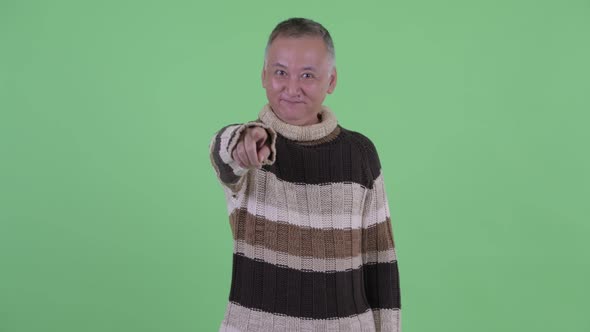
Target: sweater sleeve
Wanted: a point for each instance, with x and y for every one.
(229, 173)
(380, 268)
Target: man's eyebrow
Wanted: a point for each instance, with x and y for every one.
(278, 64)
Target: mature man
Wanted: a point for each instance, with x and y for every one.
(313, 241)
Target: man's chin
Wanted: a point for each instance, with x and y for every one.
(289, 112)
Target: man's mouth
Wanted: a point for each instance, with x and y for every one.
(292, 101)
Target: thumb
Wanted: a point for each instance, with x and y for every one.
(263, 153)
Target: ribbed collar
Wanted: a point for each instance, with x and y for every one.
(327, 124)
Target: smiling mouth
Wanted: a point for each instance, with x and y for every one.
(292, 102)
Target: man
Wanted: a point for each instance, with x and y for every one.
(313, 242)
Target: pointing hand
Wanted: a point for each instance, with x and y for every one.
(252, 148)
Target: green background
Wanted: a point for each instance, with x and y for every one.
(111, 218)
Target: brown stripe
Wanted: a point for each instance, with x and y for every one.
(378, 237)
(309, 242)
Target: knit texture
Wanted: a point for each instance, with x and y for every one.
(313, 241)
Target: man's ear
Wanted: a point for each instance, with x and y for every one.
(263, 75)
(333, 80)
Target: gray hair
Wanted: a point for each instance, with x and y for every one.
(300, 27)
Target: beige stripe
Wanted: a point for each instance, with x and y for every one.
(314, 264)
(309, 242)
(225, 328)
(224, 143)
(224, 153)
(211, 152)
(388, 320)
(242, 319)
(337, 205)
(228, 188)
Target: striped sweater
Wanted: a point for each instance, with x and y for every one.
(312, 234)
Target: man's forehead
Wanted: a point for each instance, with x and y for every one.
(298, 52)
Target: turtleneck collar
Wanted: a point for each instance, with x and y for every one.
(327, 124)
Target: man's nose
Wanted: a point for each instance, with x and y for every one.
(293, 88)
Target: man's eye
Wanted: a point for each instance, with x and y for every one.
(307, 75)
(280, 72)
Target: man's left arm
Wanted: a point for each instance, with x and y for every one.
(380, 268)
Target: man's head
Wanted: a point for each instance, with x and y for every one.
(299, 70)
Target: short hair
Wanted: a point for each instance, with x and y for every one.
(300, 27)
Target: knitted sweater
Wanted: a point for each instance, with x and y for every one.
(313, 242)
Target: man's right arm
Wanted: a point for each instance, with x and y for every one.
(229, 171)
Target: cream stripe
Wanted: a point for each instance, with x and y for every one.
(225, 328)
(225, 136)
(311, 204)
(376, 200)
(314, 264)
(224, 154)
(387, 319)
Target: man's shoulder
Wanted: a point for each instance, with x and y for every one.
(367, 151)
(362, 140)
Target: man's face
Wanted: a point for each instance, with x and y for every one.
(297, 75)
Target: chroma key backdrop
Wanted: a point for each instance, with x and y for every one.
(111, 217)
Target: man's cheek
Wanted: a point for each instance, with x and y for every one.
(276, 86)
